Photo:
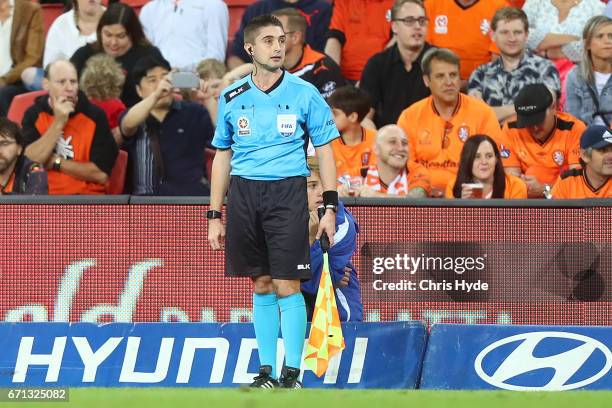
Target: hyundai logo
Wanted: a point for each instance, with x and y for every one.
(565, 364)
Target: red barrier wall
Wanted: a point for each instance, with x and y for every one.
(152, 263)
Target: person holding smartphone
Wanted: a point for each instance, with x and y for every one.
(165, 138)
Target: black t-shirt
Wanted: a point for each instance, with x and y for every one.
(127, 61)
(167, 158)
(390, 86)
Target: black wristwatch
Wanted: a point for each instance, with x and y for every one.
(332, 207)
(212, 214)
(57, 164)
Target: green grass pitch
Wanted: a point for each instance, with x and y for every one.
(316, 398)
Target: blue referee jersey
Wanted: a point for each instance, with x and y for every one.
(268, 131)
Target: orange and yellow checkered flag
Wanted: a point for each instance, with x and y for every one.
(326, 337)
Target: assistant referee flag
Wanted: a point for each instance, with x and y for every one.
(326, 337)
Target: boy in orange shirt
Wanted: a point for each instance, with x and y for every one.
(354, 149)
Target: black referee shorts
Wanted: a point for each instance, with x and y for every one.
(267, 229)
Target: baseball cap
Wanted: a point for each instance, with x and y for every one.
(596, 136)
(530, 105)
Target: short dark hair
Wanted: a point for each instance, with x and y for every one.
(350, 99)
(119, 13)
(296, 21)
(252, 28)
(509, 14)
(466, 163)
(11, 130)
(439, 54)
(147, 63)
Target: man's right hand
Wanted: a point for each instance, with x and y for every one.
(164, 87)
(216, 234)
(62, 108)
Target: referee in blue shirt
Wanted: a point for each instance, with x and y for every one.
(263, 127)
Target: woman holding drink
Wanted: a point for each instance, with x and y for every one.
(481, 173)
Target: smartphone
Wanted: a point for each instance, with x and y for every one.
(185, 80)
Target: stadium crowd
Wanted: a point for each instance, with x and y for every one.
(432, 98)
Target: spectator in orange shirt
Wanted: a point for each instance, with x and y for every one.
(438, 126)
(463, 26)
(594, 179)
(69, 134)
(481, 173)
(393, 175)
(541, 143)
(18, 174)
(354, 149)
(358, 30)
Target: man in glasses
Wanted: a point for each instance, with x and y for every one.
(18, 174)
(393, 77)
(438, 125)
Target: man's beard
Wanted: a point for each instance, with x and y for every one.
(6, 164)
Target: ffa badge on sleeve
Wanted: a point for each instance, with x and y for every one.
(244, 127)
(286, 124)
(463, 132)
(558, 157)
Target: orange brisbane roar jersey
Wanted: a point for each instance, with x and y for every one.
(465, 30)
(436, 143)
(575, 184)
(351, 159)
(544, 160)
(363, 28)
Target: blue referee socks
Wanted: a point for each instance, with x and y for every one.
(266, 322)
(293, 327)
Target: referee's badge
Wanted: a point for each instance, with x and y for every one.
(244, 127)
(286, 124)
